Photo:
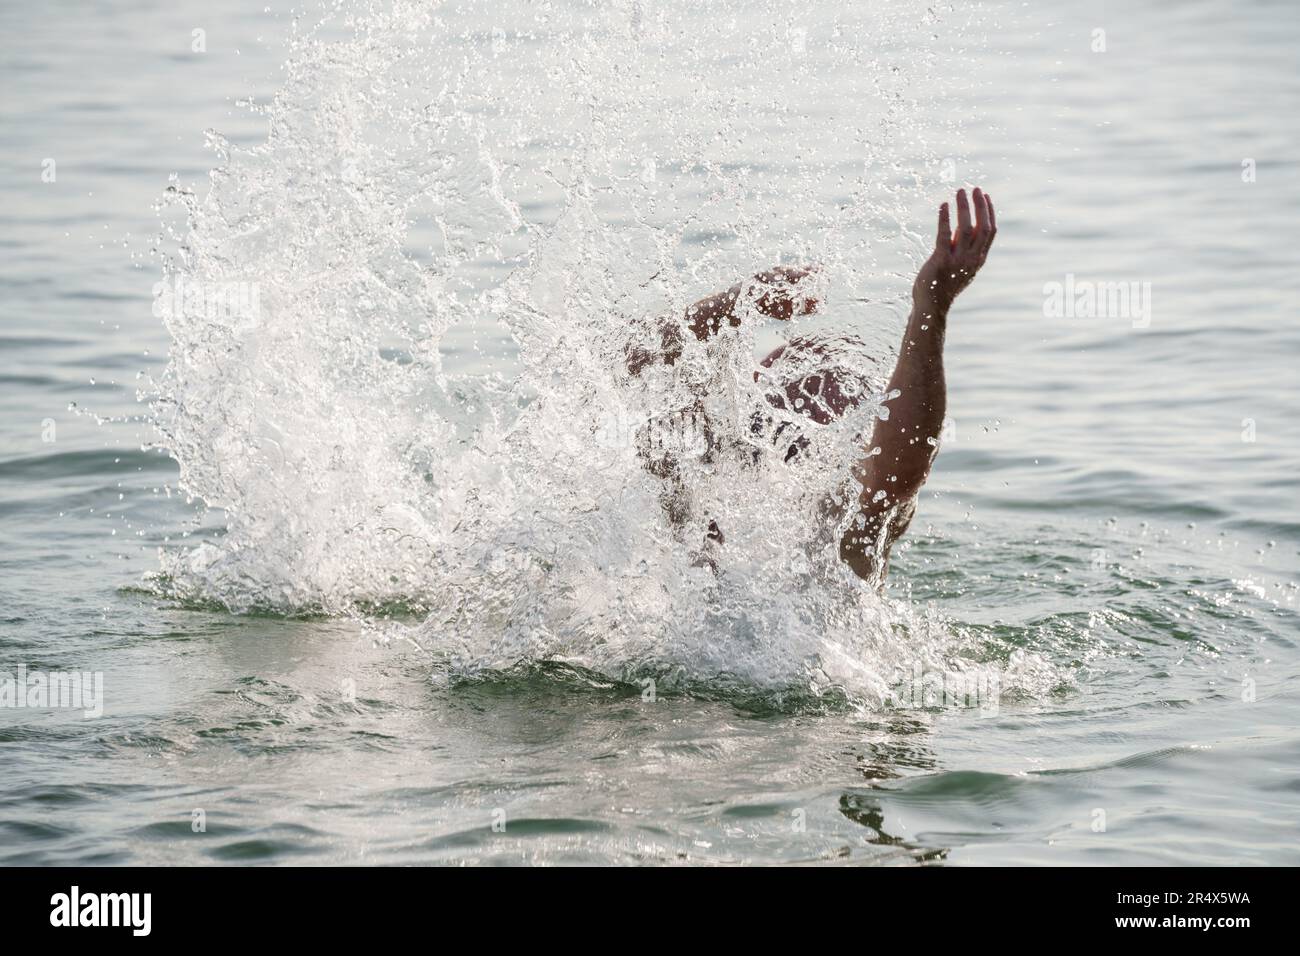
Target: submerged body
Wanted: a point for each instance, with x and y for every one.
(895, 461)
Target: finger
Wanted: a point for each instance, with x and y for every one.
(979, 211)
(991, 230)
(963, 217)
(943, 241)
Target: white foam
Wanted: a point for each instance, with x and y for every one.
(423, 189)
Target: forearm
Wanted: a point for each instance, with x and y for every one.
(773, 293)
(705, 317)
(902, 447)
(908, 439)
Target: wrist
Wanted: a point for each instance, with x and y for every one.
(929, 305)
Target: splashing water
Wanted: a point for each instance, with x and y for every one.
(455, 239)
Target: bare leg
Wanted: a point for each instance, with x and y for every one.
(903, 446)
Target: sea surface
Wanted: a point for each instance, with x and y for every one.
(1110, 537)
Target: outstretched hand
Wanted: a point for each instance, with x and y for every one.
(957, 257)
(779, 294)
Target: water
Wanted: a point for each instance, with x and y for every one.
(416, 618)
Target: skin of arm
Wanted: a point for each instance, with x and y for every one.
(774, 293)
(776, 296)
(903, 447)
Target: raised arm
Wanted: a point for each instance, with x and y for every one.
(903, 446)
(776, 294)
